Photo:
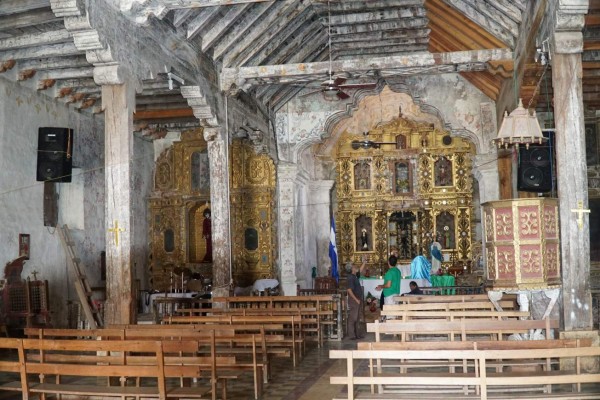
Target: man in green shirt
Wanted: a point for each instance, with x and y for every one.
(391, 281)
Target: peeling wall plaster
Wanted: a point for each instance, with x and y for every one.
(447, 101)
(22, 112)
(459, 103)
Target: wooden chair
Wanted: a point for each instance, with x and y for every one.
(325, 282)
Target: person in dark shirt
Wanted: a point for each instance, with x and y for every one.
(414, 288)
(354, 299)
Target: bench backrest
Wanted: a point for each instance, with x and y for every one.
(477, 345)
(471, 305)
(461, 327)
(453, 314)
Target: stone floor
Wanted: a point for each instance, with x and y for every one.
(307, 381)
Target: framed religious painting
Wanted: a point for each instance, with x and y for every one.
(24, 243)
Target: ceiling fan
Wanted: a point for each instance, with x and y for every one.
(332, 88)
(367, 144)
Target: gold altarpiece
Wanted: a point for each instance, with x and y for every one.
(178, 207)
(253, 184)
(414, 188)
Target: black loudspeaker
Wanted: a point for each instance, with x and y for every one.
(54, 161)
(536, 166)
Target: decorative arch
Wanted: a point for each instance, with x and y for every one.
(410, 107)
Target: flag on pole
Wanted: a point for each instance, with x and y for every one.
(333, 254)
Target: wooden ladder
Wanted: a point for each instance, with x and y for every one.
(84, 292)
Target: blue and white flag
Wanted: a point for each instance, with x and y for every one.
(333, 254)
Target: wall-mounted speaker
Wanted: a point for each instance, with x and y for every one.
(54, 155)
(536, 166)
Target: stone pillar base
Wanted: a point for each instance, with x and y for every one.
(587, 364)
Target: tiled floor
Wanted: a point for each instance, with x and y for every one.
(307, 381)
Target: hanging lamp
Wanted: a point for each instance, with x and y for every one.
(521, 127)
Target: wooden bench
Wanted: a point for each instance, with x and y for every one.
(452, 315)
(463, 329)
(218, 341)
(506, 305)
(480, 379)
(76, 367)
(333, 323)
(292, 327)
(473, 345)
(312, 320)
(449, 298)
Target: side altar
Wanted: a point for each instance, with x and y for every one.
(180, 214)
(402, 187)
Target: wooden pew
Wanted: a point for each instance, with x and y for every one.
(312, 319)
(291, 324)
(477, 380)
(470, 305)
(449, 298)
(211, 337)
(463, 328)
(452, 315)
(333, 322)
(473, 345)
(72, 367)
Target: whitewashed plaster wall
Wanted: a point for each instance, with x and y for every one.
(22, 112)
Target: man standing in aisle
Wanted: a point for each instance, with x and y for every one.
(354, 298)
(391, 282)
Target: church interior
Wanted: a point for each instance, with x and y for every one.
(188, 152)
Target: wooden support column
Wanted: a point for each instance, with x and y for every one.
(319, 210)
(286, 183)
(572, 180)
(118, 102)
(218, 155)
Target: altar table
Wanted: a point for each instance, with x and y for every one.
(443, 280)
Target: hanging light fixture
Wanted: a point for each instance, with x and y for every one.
(518, 128)
(522, 126)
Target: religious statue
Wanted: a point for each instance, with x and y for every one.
(207, 235)
(436, 257)
(364, 240)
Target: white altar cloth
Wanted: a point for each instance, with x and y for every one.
(369, 285)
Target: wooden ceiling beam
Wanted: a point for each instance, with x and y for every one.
(293, 44)
(217, 31)
(296, 28)
(390, 14)
(11, 7)
(195, 26)
(238, 31)
(487, 88)
(405, 23)
(381, 35)
(36, 39)
(276, 18)
(360, 51)
(245, 77)
(55, 50)
(468, 36)
(461, 22)
(23, 20)
(164, 113)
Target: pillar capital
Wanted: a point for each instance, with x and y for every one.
(287, 171)
(212, 134)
